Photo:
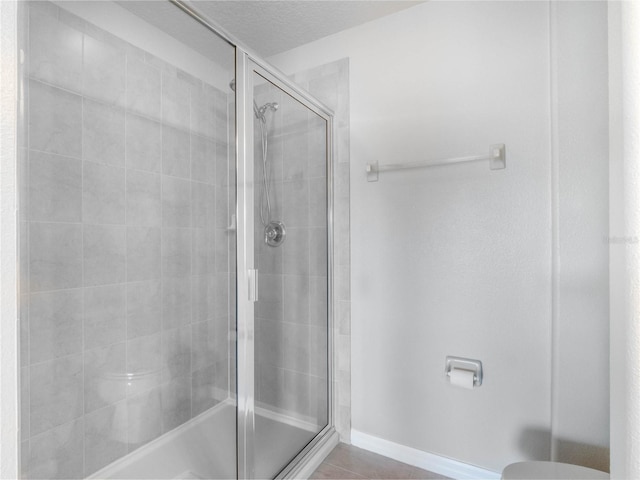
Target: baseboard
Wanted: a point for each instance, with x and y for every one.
(427, 461)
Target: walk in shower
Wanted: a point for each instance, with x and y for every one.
(175, 250)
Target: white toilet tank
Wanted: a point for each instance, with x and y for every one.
(551, 471)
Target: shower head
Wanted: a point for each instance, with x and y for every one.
(259, 112)
(273, 106)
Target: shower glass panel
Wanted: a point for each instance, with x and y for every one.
(290, 240)
(128, 244)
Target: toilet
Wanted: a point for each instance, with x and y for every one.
(551, 471)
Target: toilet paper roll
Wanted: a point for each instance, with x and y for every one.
(461, 378)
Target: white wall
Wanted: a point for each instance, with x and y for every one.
(581, 223)
(9, 416)
(458, 260)
(624, 197)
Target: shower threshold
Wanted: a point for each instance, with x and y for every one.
(205, 448)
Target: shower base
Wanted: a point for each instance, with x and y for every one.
(205, 448)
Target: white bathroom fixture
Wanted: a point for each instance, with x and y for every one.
(551, 471)
(464, 364)
(497, 161)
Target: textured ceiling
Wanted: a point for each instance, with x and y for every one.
(274, 26)
(267, 27)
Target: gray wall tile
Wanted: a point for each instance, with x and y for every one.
(144, 412)
(143, 143)
(318, 289)
(55, 51)
(104, 254)
(294, 157)
(143, 88)
(176, 353)
(300, 394)
(175, 101)
(54, 454)
(176, 403)
(55, 188)
(203, 259)
(317, 353)
(144, 202)
(318, 253)
(203, 352)
(55, 324)
(222, 257)
(103, 133)
(203, 115)
(144, 362)
(318, 202)
(104, 71)
(55, 393)
(105, 381)
(203, 204)
(103, 194)
(55, 120)
(55, 256)
(269, 343)
(176, 202)
(203, 159)
(317, 154)
(296, 298)
(73, 21)
(271, 297)
(202, 384)
(296, 252)
(203, 297)
(225, 164)
(271, 386)
(225, 208)
(296, 347)
(144, 308)
(225, 284)
(143, 253)
(176, 156)
(176, 302)
(104, 316)
(105, 433)
(269, 259)
(295, 203)
(176, 252)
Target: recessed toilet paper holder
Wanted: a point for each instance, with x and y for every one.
(469, 364)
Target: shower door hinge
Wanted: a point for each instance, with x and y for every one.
(253, 284)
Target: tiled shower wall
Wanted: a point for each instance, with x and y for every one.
(291, 323)
(330, 84)
(125, 247)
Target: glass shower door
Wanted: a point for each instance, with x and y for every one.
(291, 255)
(127, 243)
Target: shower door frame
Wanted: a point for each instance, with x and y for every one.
(245, 266)
(246, 65)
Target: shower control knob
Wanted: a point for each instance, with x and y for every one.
(274, 234)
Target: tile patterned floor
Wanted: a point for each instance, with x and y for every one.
(348, 462)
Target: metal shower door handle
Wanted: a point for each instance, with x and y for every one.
(252, 274)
